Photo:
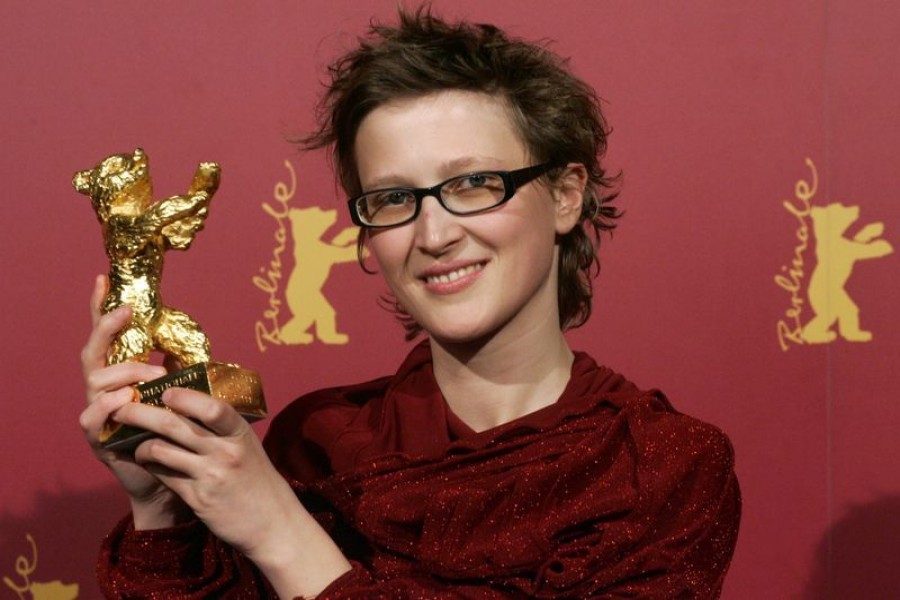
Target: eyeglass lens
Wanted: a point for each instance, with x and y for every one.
(460, 195)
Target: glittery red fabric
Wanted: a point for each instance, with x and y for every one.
(608, 493)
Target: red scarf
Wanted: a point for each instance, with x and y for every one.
(607, 491)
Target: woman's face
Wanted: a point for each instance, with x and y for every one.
(462, 278)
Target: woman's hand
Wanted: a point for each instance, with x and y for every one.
(108, 389)
(206, 461)
(208, 455)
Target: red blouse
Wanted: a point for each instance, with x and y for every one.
(607, 493)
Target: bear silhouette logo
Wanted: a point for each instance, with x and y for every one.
(836, 257)
(313, 259)
(52, 590)
(301, 289)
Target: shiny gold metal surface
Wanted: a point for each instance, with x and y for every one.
(137, 232)
(239, 387)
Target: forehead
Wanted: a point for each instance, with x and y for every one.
(445, 128)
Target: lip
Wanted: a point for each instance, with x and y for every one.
(452, 277)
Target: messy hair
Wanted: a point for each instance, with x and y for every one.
(557, 116)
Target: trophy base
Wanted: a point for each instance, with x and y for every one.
(239, 387)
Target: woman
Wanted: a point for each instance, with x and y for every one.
(496, 462)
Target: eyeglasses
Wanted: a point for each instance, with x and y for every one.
(462, 195)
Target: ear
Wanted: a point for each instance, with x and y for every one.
(82, 182)
(568, 192)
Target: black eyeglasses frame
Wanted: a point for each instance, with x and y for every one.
(512, 181)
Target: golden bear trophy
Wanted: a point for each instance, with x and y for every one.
(137, 232)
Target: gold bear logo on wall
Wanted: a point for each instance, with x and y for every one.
(313, 259)
(52, 590)
(836, 256)
(312, 316)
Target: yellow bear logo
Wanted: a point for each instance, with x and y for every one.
(837, 255)
(314, 258)
(52, 590)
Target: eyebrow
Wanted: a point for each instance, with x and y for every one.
(450, 168)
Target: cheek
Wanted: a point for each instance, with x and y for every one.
(531, 243)
(389, 248)
(536, 254)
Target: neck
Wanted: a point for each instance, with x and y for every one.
(489, 383)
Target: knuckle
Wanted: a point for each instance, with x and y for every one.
(86, 422)
(203, 500)
(169, 424)
(93, 380)
(232, 457)
(216, 411)
(86, 355)
(147, 452)
(218, 476)
(121, 397)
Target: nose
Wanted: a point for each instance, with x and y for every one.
(436, 230)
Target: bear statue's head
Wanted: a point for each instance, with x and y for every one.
(119, 185)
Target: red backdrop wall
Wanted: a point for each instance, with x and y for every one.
(718, 109)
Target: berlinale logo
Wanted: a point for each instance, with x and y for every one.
(52, 590)
(309, 316)
(836, 256)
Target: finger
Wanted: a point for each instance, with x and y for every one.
(93, 355)
(121, 375)
(218, 416)
(166, 423)
(101, 288)
(171, 478)
(93, 418)
(165, 459)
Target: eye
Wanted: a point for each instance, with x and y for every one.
(389, 200)
(475, 184)
(476, 180)
(393, 198)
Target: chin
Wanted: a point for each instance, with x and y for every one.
(466, 334)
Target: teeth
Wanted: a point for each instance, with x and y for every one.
(454, 275)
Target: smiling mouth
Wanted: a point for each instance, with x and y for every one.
(454, 275)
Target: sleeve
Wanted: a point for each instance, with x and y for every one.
(182, 562)
(359, 583)
(188, 558)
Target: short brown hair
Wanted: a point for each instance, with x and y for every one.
(557, 115)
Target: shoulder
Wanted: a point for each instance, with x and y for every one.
(329, 403)
(674, 472)
(648, 413)
(667, 434)
(643, 428)
(301, 436)
(681, 463)
(334, 427)
(652, 417)
(647, 417)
